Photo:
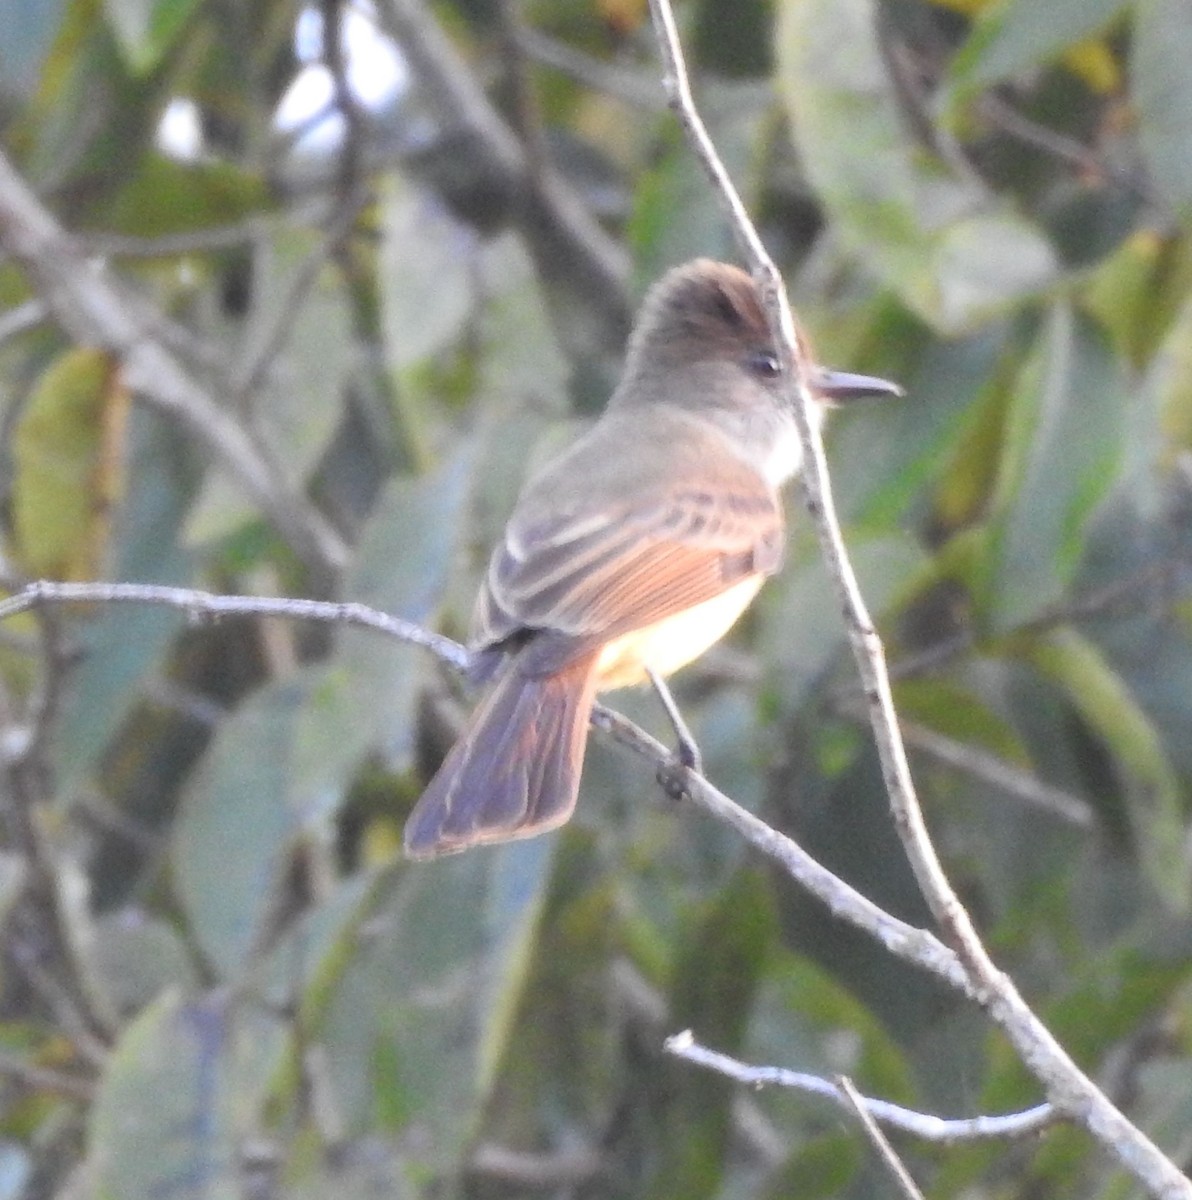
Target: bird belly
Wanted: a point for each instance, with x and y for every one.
(674, 641)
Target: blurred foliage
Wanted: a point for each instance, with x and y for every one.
(218, 977)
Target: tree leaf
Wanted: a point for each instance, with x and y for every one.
(283, 761)
(147, 29)
(299, 399)
(1163, 94)
(1101, 696)
(716, 977)
(68, 452)
(935, 238)
(1062, 451)
(28, 33)
(172, 1103)
(122, 643)
(418, 1022)
(1015, 35)
(426, 273)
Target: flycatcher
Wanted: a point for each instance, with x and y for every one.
(636, 549)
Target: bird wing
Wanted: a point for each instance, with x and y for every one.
(592, 574)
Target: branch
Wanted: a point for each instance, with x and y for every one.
(948, 1131)
(199, 605)
(568, 245)
(1069, 1089)
(96, 310)
(993, 770)
(916, 946)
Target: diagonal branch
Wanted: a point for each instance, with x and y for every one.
(95, 310)
(878, 1140)
(1069, 1088)
(568, 245)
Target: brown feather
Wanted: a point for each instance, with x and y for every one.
(515, 770)
(598, 565)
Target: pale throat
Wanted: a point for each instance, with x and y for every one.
(786, 454)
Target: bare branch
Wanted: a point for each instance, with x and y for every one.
(916, 946)
(632, 87)
(1069, 1089)
(923, 1125)
(523, 1169)
(199, 605)
(907, 942)
(97, 311)
(1045, 1058)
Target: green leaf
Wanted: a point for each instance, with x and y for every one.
(1101, 696)
(418, 1021)
(935, 238)
(1013, 36)
(820, 1169)
(147, 29)
(1138, 292)
(959, 713)
(240, 812)
(163, 196)
(282, 762)
(676, 183)
(426, 271)
(300, 397)
(882, 454)
(123, 642)
(68, 455)
(402, 562)
(801, 631)
(175, 1100)
(90, 112)
(1163, 94)
(1062, 451)
(136, 957)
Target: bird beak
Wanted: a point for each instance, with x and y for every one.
(839, 387)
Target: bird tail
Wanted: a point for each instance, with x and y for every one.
(515, 770)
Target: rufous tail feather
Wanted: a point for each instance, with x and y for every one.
(515, 770)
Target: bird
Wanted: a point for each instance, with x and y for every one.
(629, 554)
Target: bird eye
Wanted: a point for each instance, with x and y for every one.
(764, 364)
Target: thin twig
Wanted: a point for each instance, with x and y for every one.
(878, 1140)
(46, 1079)
(1119, 596)
(633, 87)
(527, 116)
(21, 319)
(1069, 1088)
(199, 605)
(75, 1024)
(923, 1125)
(354, 116)
(523, 1169)
(990, 768)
